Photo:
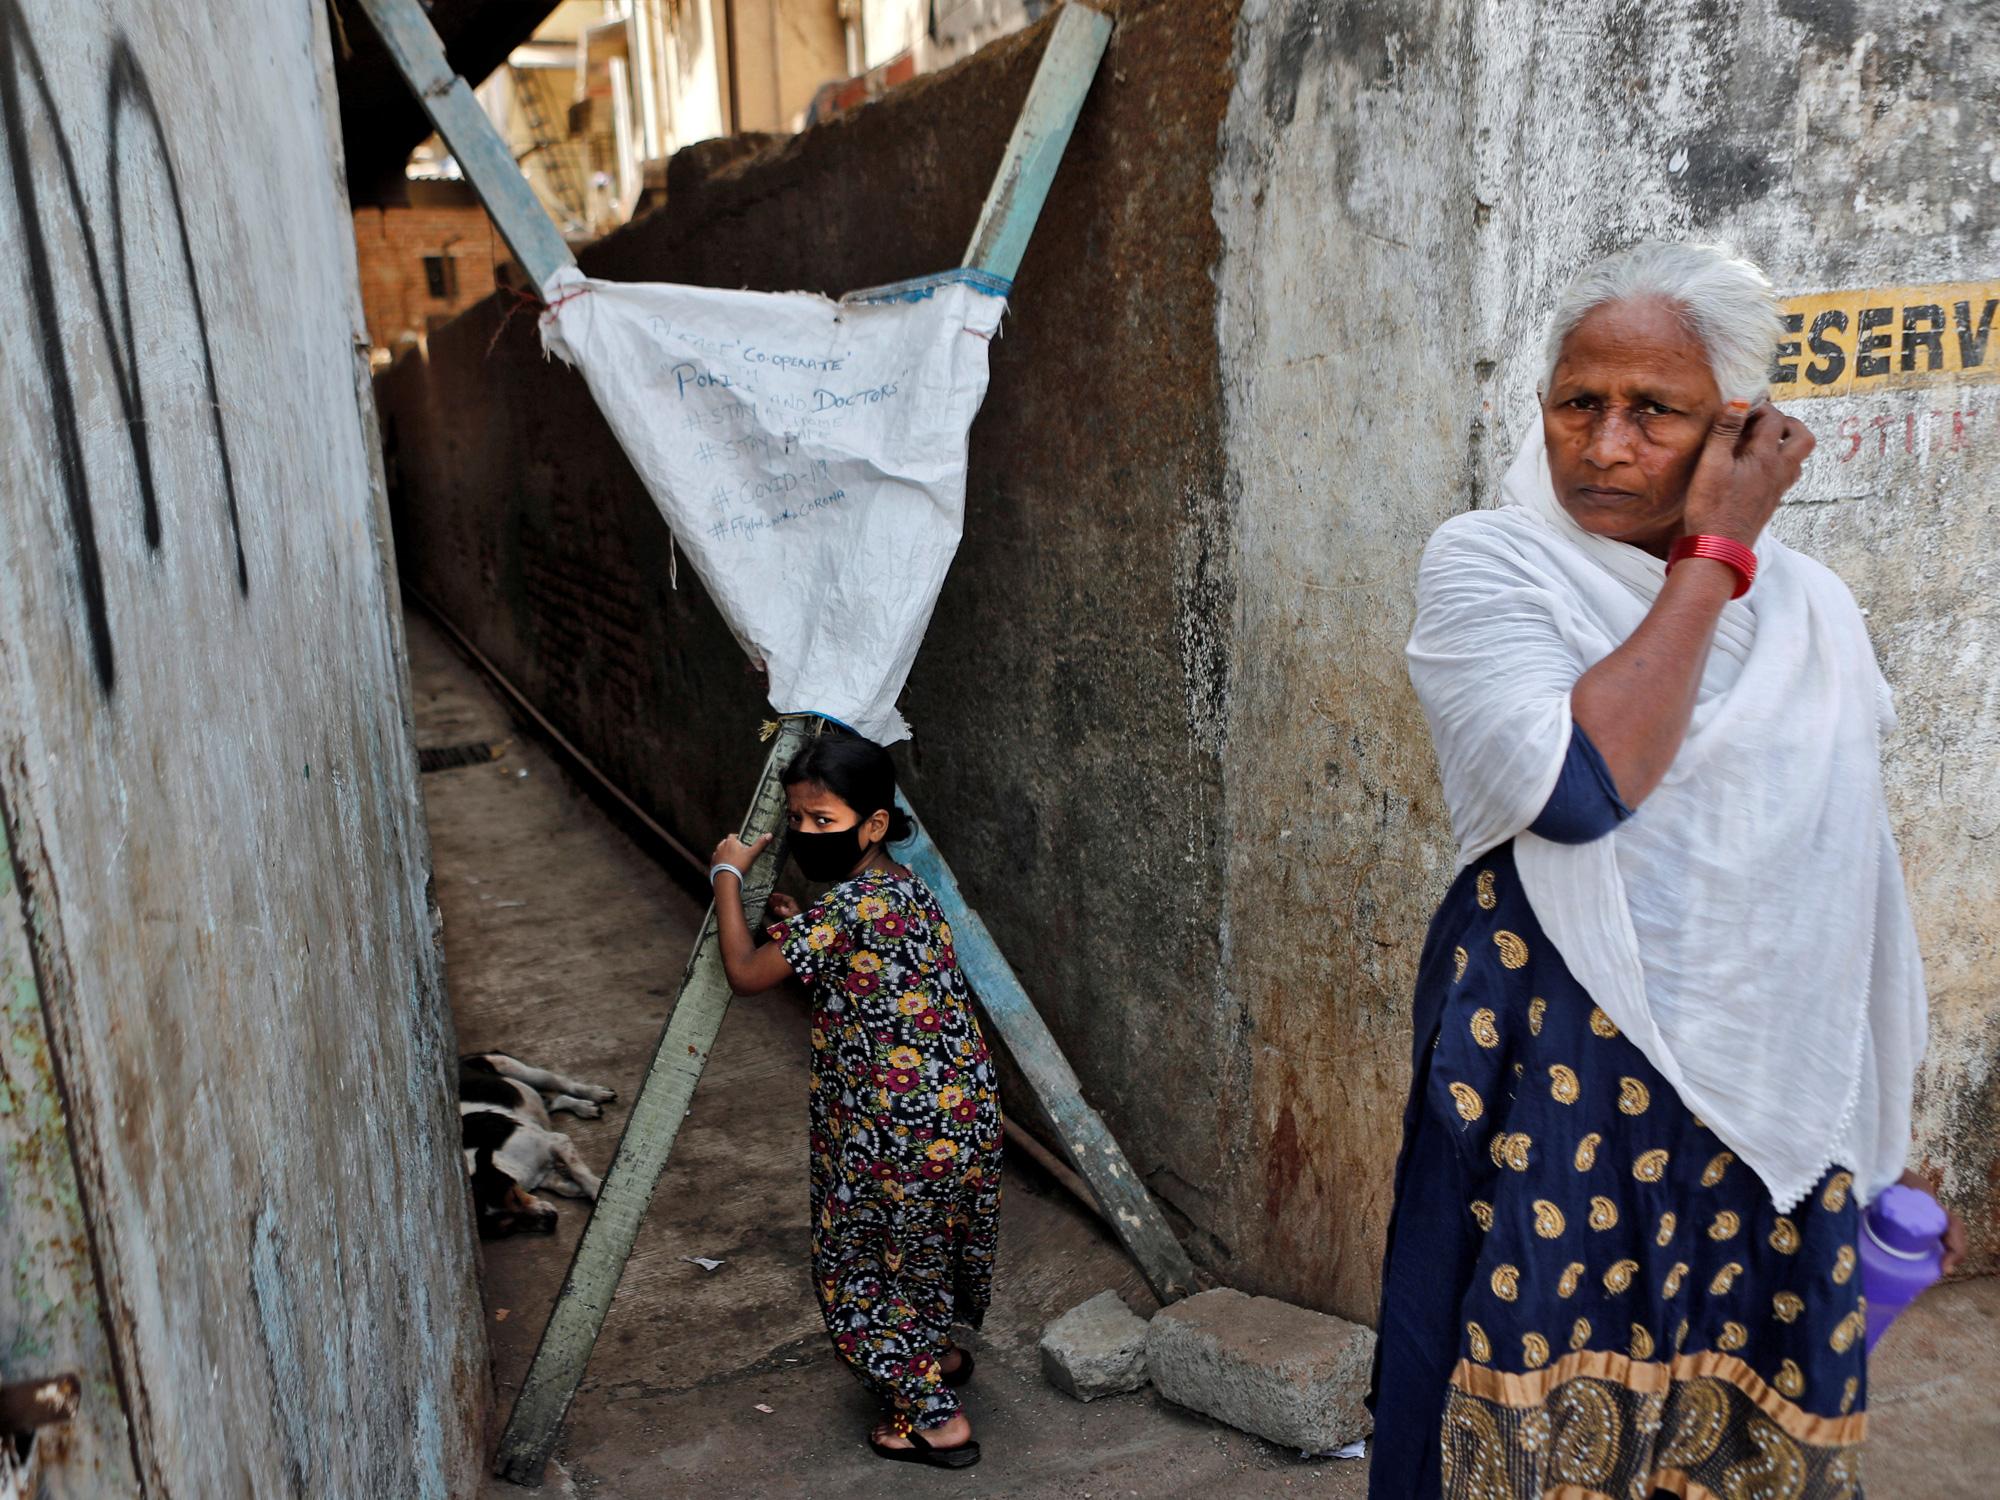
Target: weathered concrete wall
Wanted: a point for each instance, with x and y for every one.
(1403, 190)
(1344, 196)
(232, 1194)
(1279, 322)
(1067, 702)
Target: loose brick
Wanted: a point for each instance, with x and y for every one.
(1097, 1348)
(1282, 1372)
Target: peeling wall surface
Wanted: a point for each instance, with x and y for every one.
(231, 1191)
(1346, 210)
(1280, 320)
(53, 1319)
(1403, 190)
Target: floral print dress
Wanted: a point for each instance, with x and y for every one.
(904, 1134)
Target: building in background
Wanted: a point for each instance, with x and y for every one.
(594, 97)
(423, 262)
(425, 248)
(892, 41)
(529, 99)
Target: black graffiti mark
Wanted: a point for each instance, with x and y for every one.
(127, 89)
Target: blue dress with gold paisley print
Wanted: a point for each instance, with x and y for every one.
(1585, 1293)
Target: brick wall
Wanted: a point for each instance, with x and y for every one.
(392, 244)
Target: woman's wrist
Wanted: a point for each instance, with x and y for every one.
(1743, 533)
(1714, 547)
(1714, 581)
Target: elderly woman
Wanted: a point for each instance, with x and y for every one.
(1669, 1012)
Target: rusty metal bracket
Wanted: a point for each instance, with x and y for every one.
(28, 1404)
(26, 1407)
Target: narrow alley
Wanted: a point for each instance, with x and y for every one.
(563, 945)
(1377, 621)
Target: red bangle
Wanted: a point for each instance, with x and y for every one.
(1718, 549)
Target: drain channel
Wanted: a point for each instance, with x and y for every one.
(450, 757)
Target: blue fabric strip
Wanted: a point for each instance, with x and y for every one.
(1585, 804)
(920, 287)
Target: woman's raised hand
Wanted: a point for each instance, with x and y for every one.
(1751, 457)
(1635, 704)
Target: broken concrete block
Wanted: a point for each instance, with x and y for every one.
(1097, 1348)
(1292, 1376)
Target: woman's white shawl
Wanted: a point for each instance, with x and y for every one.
(1747, 927)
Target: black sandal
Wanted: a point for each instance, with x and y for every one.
(958, 1377)
(963, 1456)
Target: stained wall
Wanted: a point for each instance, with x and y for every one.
(1403, 190)
(231, 1195)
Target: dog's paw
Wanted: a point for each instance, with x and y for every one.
(583, 1109)
(597, 1095)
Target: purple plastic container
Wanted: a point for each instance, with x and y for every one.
(1902, 1252)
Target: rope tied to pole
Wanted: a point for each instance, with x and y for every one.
(529, 299)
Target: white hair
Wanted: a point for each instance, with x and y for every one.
(1723, 300)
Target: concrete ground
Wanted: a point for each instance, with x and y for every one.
(564, 945)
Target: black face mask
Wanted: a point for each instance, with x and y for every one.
(828, 856)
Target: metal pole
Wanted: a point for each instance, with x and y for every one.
(1121, 1197)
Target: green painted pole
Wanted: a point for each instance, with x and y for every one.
(664, 1098)
(1020, 188)
(1121, 1196)
(476, 146)
(1055, 99)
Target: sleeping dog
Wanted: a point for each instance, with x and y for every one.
(503, 1121)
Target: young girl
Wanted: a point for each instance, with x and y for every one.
(904, 1109)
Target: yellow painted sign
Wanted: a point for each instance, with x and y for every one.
(1888, 338)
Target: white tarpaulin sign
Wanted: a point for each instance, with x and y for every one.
(808, 454)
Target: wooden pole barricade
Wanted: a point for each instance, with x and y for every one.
(665, 1096)
(1062, 78)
